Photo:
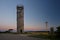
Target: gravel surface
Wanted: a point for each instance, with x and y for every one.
(17, 37)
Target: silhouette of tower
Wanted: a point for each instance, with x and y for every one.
(20, 19)
(46, 25)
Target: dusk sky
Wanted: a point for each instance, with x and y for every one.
(36, 13)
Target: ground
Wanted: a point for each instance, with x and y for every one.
(17, 37)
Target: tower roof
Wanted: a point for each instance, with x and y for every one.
(19, 5)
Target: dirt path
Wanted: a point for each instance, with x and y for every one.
(16, 37)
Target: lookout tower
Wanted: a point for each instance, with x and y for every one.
(20, 19)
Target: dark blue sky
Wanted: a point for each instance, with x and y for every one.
(40, 11)
(36, 13)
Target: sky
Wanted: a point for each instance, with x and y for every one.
(36, 13)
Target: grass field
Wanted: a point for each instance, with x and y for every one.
(43, 36)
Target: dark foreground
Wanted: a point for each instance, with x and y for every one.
(17, 37)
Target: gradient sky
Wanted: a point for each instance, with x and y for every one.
(36, 13)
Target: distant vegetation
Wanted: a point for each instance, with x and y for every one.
(53, 35)
(58, 32)
(8, 31)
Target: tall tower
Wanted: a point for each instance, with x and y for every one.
(46, 25)
(20, 19)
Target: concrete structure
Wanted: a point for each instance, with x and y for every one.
(20, 19)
